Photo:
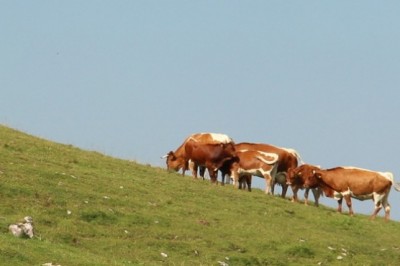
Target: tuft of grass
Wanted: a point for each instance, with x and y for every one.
(92, 209)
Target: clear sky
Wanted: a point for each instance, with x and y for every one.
(132, 79)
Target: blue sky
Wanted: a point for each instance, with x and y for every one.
(132, 79)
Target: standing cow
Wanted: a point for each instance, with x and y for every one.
(348, 182)
(185, 158)
(256, 163)
(287, 159)
(210, 156)
(295, 179)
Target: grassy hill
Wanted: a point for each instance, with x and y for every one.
(90, 209)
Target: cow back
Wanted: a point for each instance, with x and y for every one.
(210, 138)
(215, 154)
(288, 158)
(358, 181)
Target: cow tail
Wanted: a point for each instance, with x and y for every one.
(299, 159)
(297, 155)
(396, 186)
(391, 178)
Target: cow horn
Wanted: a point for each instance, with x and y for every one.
(164, 156)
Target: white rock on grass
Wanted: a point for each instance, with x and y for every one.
(164, 255)
(23, 229)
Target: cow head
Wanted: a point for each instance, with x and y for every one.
(173, 162)
(292, 175)
(313, 180)
(298, 175)
(303, 176)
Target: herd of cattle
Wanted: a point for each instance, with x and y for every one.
(240, 161)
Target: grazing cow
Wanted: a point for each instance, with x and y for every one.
(256, 163)
(210, 156)
(177, 159)
(348, 182)
(295, 179)
(287, 159)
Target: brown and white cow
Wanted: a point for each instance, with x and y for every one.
(295, 179)
(256, 163)
(204, 150)
(348, 182)
(287, 159)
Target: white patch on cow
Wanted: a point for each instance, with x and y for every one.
(345, 193)
(265, 155)
(339, 195)
(221, 138)
(257, 172)
(356, 168)
(387, 175)
(215, 137)
(377, 197)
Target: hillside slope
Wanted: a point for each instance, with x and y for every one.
(91, 209)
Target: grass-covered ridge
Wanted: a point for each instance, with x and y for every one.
(90, 209)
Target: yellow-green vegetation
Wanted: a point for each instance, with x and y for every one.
(91, 209)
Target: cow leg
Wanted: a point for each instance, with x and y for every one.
(379, 203)
(202, 171)
(242, 184)
(316, 193)
(193, 167)
(386, 205)
(248, 181)
(306, 196)
(185, 167)
(235, 177)
(228, 178)
(224, 175)
(281, 178)
(349, 205)
(272, 185)
(268, 183)
(245, 181)
(376, 211)
(387, 211)
(339, 201)
(294, 197)
(284, 190)
(213, 175)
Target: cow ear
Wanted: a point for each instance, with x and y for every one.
(318, 175)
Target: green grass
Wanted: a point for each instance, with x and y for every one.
(124, 213)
